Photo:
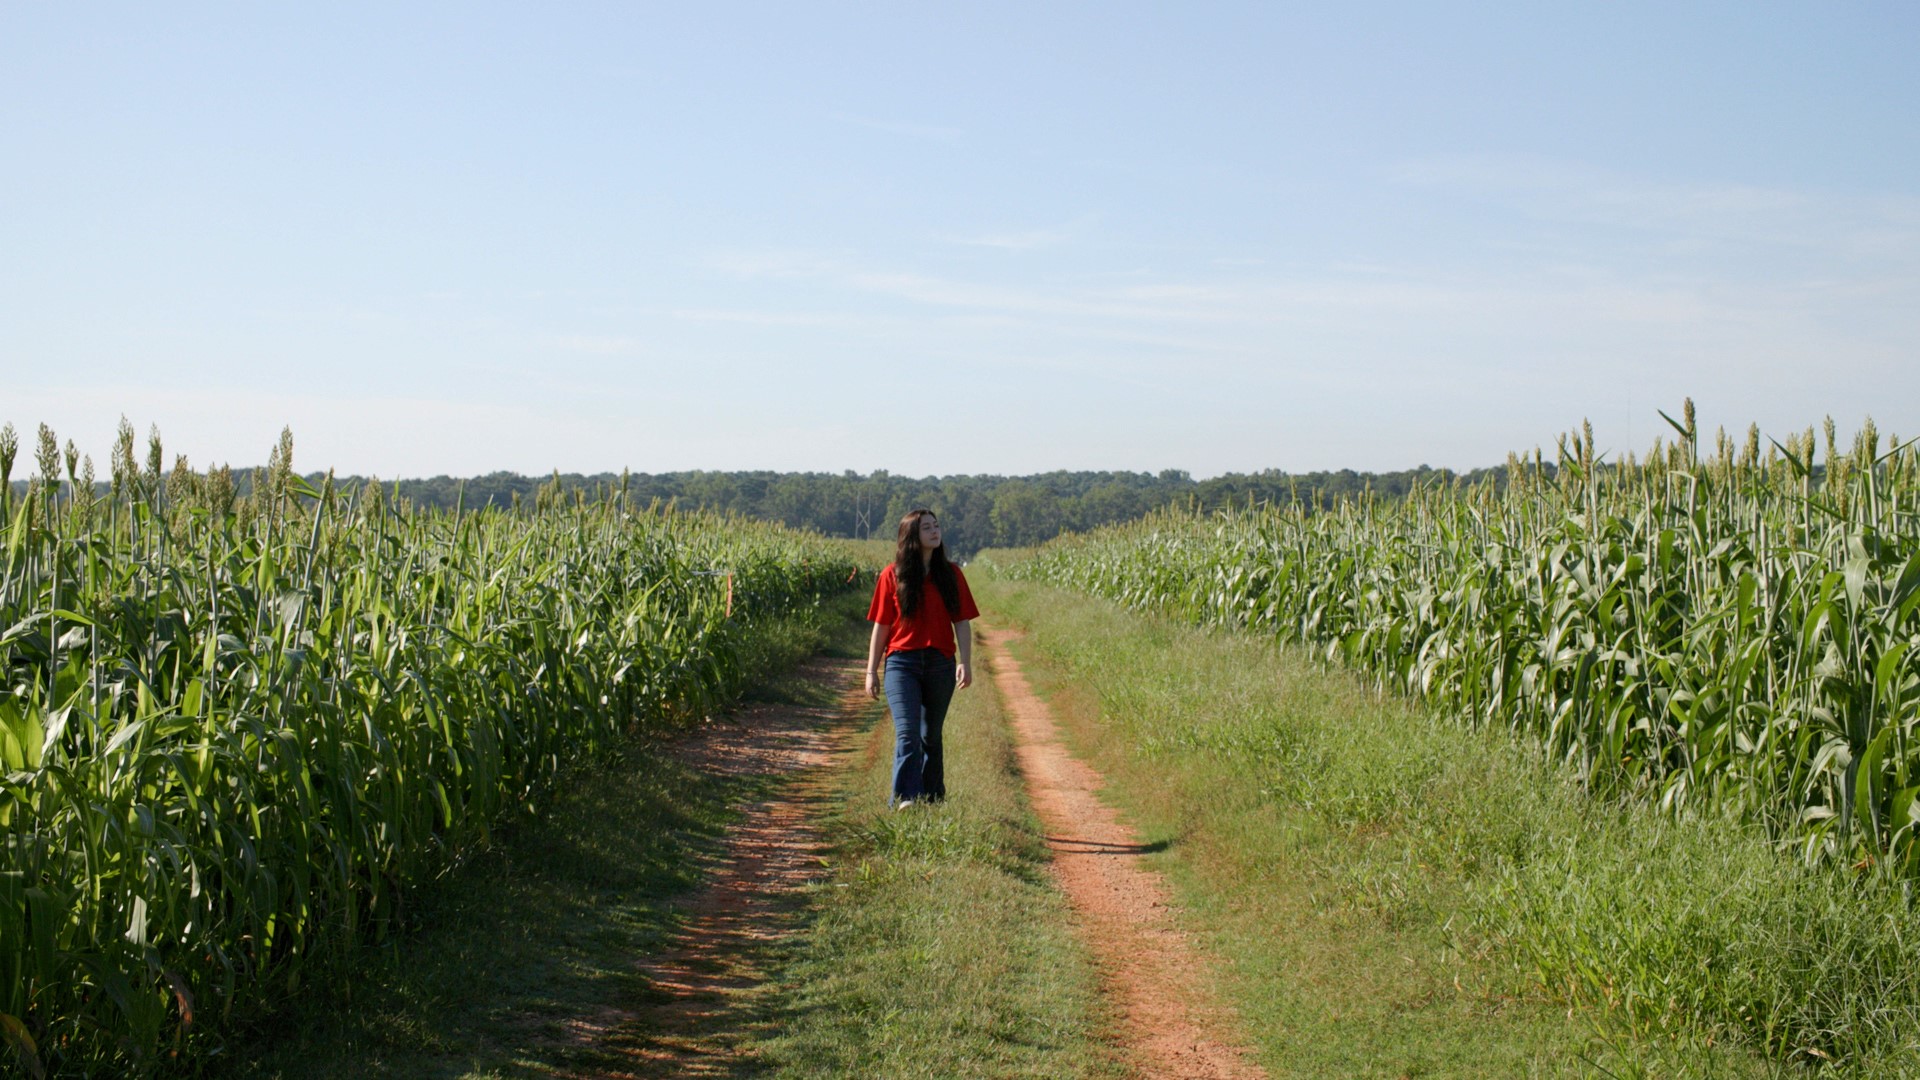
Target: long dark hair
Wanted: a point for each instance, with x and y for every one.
(910, 571)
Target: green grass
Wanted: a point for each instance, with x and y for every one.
(1371, 875)
(940, 948)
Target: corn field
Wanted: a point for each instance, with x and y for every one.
(1730, 629)
(236, 729)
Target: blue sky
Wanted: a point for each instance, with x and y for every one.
(970, 238)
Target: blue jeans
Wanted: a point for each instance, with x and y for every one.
(919, 688)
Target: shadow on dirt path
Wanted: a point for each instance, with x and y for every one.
(1169, 1022)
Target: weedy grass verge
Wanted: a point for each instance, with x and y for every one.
(1394, 895)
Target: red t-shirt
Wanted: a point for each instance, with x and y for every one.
(930, 627)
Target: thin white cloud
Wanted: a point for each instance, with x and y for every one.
(1845, 226)
(749, 317)
(1245, 301)
(1031, 240)
(771, 263)
(598, 344)
(927, 132)
(1395, 320)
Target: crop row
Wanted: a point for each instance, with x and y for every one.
(1733, 629)
(233, 732)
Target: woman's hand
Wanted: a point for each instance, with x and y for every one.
(963, 654)
(876, 655)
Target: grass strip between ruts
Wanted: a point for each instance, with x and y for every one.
(942, 948)
(1350, 859)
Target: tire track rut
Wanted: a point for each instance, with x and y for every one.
(703, 983)
(1170, 1023)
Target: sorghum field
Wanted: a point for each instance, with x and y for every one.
(1734, 629)
(234, 730)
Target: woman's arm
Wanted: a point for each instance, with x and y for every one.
(876, 650)
(963, 639)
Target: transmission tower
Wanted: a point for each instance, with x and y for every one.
(862, 515)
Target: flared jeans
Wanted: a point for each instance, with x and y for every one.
(919, 689)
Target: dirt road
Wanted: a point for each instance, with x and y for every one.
(1170, 1024)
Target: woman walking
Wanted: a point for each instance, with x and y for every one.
(921, 612)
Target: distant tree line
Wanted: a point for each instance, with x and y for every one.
(978, 510)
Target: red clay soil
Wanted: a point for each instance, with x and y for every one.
(1169, 1022)
(716, 961)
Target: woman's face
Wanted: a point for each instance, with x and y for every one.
(929, 532)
